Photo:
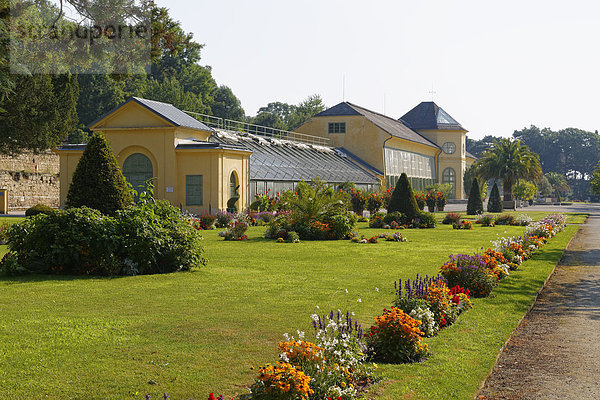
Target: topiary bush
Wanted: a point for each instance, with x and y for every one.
(97, 181)
(147, 238)
(475, 204)
(39, 209)
(495, 203)
(403, 199)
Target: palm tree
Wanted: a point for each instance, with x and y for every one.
(509, 160)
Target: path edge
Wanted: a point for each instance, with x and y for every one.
(476, 397)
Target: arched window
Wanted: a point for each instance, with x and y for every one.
(449, 176)
(233, 183)
(137, 169)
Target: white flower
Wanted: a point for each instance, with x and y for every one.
(317, 307)
(346, 290)
(359, 300)
(377, 289)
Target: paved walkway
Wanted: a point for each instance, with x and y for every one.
(555, 353)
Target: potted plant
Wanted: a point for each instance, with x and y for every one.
(440, 201)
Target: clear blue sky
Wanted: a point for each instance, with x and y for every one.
(495, 66)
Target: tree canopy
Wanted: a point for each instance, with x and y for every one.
(509, 160)
(288, 117)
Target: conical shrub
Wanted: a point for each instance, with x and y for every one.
(475, 204)
(495, 203)
(98, 181)
(403, 199)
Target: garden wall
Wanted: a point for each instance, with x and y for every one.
(30, 179)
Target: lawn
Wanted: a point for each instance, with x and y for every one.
(188, 334)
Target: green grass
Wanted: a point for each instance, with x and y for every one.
(188, 334)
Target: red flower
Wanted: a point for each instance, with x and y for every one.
(211, 396)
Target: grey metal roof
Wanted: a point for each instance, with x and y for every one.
(338, 110)
(282, 160)
(166, 111)
(199, 144)
(428, 115)
(392, 126)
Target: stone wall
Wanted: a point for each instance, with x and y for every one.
(30, 179)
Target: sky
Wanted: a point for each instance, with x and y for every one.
(493, 66)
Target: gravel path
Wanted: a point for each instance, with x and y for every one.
(555, 352)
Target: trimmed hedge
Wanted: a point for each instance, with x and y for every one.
(147, 238)
(39, 209)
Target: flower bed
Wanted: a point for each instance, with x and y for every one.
(337, 364)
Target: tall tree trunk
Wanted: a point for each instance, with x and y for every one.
(507, 189)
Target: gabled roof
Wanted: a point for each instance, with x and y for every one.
(428, 115)
(283, 160)
(165, 110)
(392, 126)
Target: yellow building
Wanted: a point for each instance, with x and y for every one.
(426, 143)
(198, 167)
(158, 142)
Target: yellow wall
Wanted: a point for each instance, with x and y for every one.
(134, 129)
(363, 138)
(457, 160)
(216, 167)
(68, 162)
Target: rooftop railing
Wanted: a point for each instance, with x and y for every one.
(239, 126)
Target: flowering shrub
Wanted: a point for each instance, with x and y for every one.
(203, 221)
(470, 272)
(374, 202)
(345, 368)
(269, 202)
(372, 239)
(462, 225)
(357, 200)
(440, 201)
(429, 326)
(396, 337)
(315, 212)
(264, 217)
(281, 381)
(451, 218)
(236, 230)
(394, 237)
(224, 218)
(523, 220)
(376, 221)
(3, 232)
(420, 198)
(505, 219)
(486, 220)
(431, 200)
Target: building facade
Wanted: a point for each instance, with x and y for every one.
(426, 143)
